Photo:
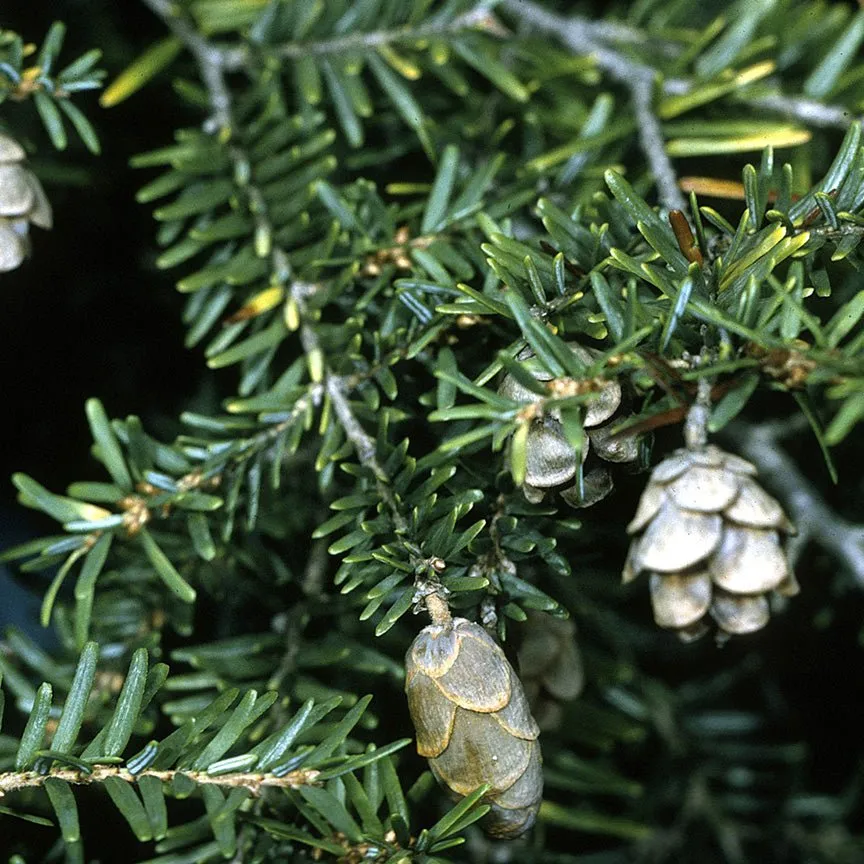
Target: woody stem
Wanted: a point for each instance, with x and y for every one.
(438, 609)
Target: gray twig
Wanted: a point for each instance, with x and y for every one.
(814, 519)
(337, 389)
(653, 146)
(236, 58)
(806, 110)
(210, 58)
(586, 37)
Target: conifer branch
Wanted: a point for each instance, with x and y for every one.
(814, 519)
(337, 389)
(584, 36)
(212, 64)
(15, 781)
(217, 59)
(653, 146)
(590, 38)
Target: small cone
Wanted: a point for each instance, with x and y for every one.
(473, 722)
(551, 667)
(713, 541)
(22, 202)
(550, 459)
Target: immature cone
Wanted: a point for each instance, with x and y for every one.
(712, 540)
(22, 201)
(551, 667)
(550, 460)
(473, 722)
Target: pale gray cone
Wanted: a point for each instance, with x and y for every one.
(596, 485)
(713, 543)
(13, 248)
(22, 201)
(10, 150)
(550, 459)
(613, 448)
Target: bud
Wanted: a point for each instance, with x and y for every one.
(473, 723)
(713, 541)
(22, 201)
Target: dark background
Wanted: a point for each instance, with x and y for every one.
(89, 314)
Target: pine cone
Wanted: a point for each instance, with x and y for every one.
(712, 540)
(473, 723)
(550, 460)
(550, 665)
(22, 201)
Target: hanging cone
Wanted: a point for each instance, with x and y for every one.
(550, 459)
(22, 201)
(713, 541)
(473, 723)
(550, 665)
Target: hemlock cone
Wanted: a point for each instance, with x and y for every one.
(712, 540)
(550, 459)
(473, 722)
(22, 201)
(550, 666)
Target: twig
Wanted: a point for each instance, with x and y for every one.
(212, 65)
(794, 107)
(13, 781)
(653, 146)
(236, 58)
(585, 37)
(210, 58)
(582, 36)
(806, 110)
(624, 34)
(232, 58)
(337, 389)
(429, 593)
(814, 519)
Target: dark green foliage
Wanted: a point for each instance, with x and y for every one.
(377, 211)
(50, 84)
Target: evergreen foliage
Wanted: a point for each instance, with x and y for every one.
(381, 210)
